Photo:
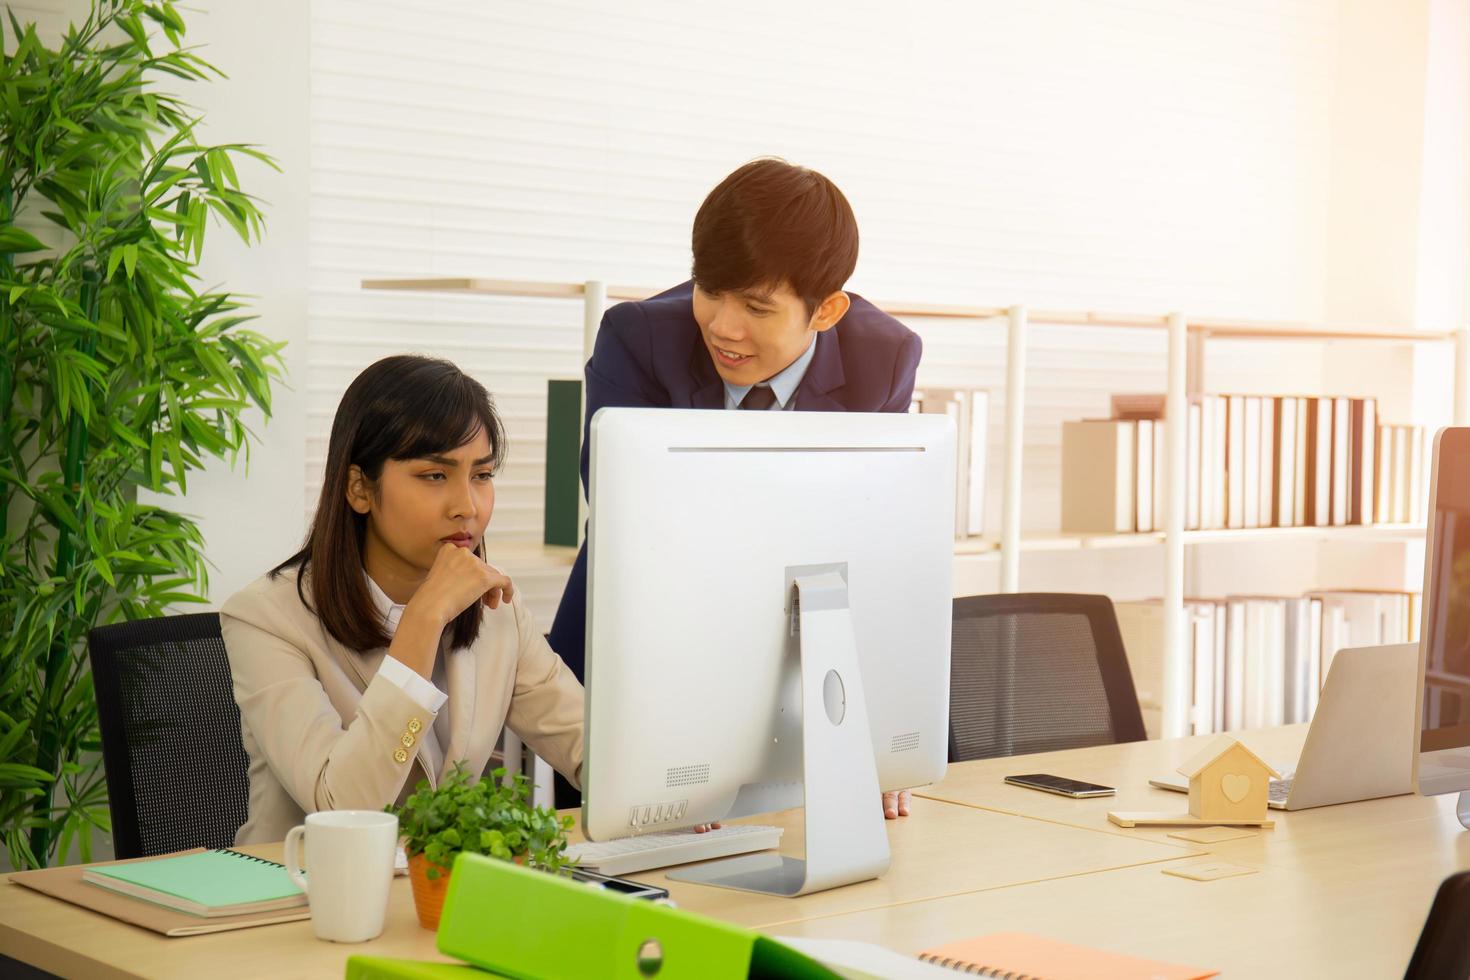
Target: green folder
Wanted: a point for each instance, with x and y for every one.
(531, 925)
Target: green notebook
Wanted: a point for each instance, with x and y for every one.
(208, 883)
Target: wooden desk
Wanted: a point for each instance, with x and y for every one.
(1342, 891)
(943, 849)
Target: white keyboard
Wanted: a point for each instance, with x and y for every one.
(665, 848)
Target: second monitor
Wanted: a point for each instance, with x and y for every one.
(768, 620)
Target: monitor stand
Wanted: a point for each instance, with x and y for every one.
(845, 837)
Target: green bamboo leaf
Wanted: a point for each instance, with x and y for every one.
(13, 239)
(104, 570)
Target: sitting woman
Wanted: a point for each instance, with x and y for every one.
(387, 649)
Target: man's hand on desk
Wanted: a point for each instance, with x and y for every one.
(896, 805)
(704, 828)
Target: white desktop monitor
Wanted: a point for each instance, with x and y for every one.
(1442, 764)
(701, 521)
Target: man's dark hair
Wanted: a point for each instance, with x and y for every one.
(770, 223)
(402, 407)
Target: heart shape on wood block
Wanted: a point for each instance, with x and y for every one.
(1235, 786)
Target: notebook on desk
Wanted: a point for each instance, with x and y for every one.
(207, 883)
(1022, 956)
(66, 884)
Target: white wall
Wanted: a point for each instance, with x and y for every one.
(1444, 237)
(1067, 154)
(1267, 161)
(251, 516)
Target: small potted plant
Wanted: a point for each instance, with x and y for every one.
(492, 816)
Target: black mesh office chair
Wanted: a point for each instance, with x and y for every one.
(1443, 951)
(1038, 672)
(177, 772)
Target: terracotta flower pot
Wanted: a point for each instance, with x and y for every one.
(428, 896)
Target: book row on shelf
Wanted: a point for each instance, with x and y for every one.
(1256, 661)
(1251, 461)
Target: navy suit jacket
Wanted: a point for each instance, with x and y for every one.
(650, 355)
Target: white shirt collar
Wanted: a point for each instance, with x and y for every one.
(391, 611)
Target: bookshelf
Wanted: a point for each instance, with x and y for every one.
(1187, 344)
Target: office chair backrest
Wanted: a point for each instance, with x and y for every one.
(177, 772)
(1443, 951)
(1038, 672)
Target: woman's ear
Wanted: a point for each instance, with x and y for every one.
(358, 496)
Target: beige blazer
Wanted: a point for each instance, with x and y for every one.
(324, 732)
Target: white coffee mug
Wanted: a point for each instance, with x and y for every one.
(349, 857)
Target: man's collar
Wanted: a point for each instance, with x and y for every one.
(784, 384)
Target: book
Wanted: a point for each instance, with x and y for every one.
(1143, 484)
(1135, 407)
(1319, 462)
(1341, 465)
(1251, 452)
(1161, 477)
(1202, 634)
(1364, 426)
(1299, 480)
(1019, 954)
(207, 883)
(1236, 645)
(1097, 477)
(970, 409)
(1384, 502)
(1284, 492)
(65, 884)
(1269, 430)
(1235, 462)
(1300, 633)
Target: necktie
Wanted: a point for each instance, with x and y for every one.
(759, 398)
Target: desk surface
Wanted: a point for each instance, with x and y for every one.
(1341, 890)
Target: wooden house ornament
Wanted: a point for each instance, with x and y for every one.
(1228, 782)
(1228, 786)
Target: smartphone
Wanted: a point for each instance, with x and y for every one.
(1060, 785)
(623, 886)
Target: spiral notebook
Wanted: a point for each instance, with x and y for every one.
(1022, 956)
(209, 883)
(65, 883)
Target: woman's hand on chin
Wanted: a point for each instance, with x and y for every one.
(457, 579)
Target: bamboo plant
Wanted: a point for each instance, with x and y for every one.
(118, 370)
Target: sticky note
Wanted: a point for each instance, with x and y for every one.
(1210, 870)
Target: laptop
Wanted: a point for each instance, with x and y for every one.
(1362, 740)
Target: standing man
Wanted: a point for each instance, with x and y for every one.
(764, 324)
